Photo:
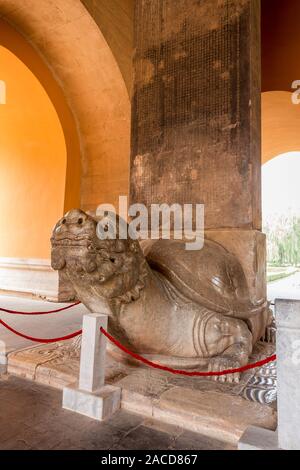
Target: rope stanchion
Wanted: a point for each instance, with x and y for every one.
(15, 312)
(184, 372)
(40, 340)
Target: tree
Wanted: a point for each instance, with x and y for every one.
(283, 237)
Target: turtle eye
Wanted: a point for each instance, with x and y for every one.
(80, 221)
(113, 260)
(64, 221)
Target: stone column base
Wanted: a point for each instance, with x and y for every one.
(100, 405)
(258, 439)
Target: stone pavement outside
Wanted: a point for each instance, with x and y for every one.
(31, 417)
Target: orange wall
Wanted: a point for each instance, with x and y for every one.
(280, 124)
(17, 44)
(32, 163)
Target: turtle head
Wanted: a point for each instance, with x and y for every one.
(91, 252)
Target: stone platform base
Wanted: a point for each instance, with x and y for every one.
(100, 405)
(217, 410)
(32, 277)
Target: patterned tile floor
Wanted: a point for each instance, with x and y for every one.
(262, 387)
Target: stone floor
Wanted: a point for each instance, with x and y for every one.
(31, 417)
(287, 288)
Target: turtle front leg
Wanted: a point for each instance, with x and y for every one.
(233, 341)
(233, 358)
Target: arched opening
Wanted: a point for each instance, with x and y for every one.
(41, 148)
(281, 223)
(33, 163)
(281, 192)
(84, 83)
(33, 160)
(280, 144)
(15, 42)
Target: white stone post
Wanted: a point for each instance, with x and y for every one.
(287, 436)
(3, 356)
(93, 352)
(90, 396)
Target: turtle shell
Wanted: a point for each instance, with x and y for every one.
(212, 276)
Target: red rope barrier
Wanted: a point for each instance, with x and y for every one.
(40, 340)
(183, 372)
(140, 358)
(15, 312)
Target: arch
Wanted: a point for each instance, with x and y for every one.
(280, 124)
(14, 42)
(73, 47)
(33, 161)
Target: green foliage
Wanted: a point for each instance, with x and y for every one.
(284, 241)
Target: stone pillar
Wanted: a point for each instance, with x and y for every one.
(90, 396)
(196, 108)
(287, 436)
(93, 352)
(288, 373)
(196, 118)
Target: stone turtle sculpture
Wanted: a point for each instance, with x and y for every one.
(182, 308)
